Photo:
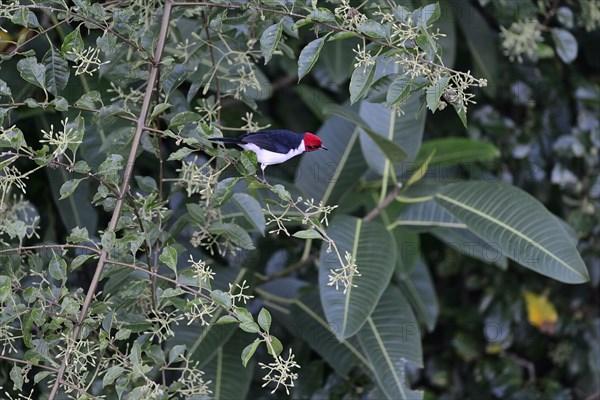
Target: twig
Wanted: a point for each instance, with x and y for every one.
(45, 104)
(551, 12)
(33, 37)
(528, 365)
(214, 65)
(593, 396)
(16, 360)
(381, 206)
(288, 270)
(109, 261)
(49, 246)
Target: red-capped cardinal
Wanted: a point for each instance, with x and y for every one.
(276, 146)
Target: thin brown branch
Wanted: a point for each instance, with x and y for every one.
(108, 261)
(593, 396)
(161, 277)
(140, 125)
(45, 104)
(214, 65)
(303, 263)
(381, 206)
(49, 246)
(551, 13)
(32, 38)
(17, 361)
(528, 365)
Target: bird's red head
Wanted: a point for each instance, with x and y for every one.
(312, 142)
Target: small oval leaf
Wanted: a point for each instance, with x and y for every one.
(269, 40)
(308, 57)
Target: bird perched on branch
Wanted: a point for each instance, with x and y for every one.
(276, 146)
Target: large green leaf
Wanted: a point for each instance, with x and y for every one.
(405, 130)
(447, 26)
(203, 341)
(425, 215)
(229, 378)
(451, 151)
(310, 324)
(251, 209)
(481, 39)
(391, 150)
(408, 244)
(466, 242)
(518, 225)
(390, 338)
(338, 59)
(420, 292)
(315, 99)
(429, 216)
(75, 210)
(327, 175)
(374, 250)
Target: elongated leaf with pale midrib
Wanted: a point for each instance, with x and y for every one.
(480, 38)
(251, 209)
(429, 216)
(391, 150)
(405, 130)
(390, 338)
(420, 292)
(312, 326)
(449, 151)
(518, 225)
(426, 215)
(229, 378)
(327, 175)
(375, 253)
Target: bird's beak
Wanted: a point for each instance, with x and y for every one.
(324, 148)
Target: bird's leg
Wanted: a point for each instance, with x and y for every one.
(262, 167)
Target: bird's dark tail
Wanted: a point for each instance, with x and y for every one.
(227, 140)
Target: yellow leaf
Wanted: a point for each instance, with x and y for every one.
(494, 348)
(5, 40)
(420, 172)
(541, 312)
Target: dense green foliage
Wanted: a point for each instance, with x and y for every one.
(431, 252)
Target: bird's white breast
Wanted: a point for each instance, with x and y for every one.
(267, 157)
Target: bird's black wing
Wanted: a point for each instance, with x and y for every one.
(278, 141)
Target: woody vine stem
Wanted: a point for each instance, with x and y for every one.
(139, 128)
